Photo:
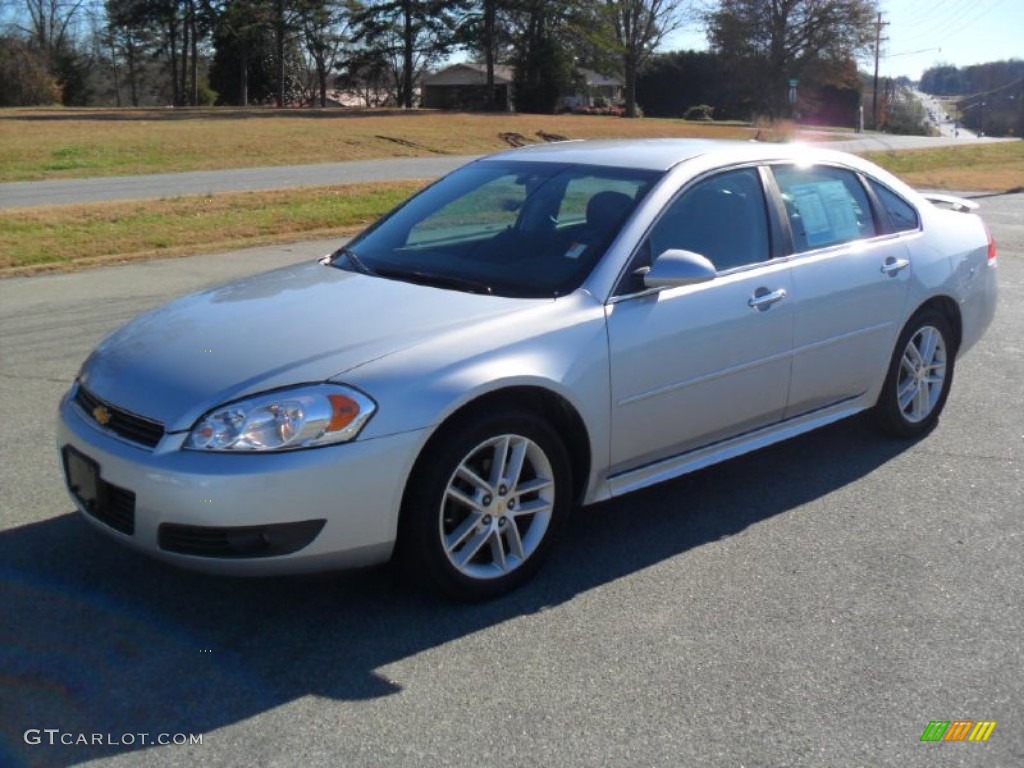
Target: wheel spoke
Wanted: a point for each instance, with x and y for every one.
(921, 402)
(515, 462)
(457, 495)
(466, 527)
(498, 552)
(473, 479)
(531, 507)
(907, 364)
(907, 396)
(532, 486)
(469, 551)
(499, 460)
(913, 354)
(515, 541)
(905, 389)
(929, 344)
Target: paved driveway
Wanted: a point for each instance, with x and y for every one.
(813, 604)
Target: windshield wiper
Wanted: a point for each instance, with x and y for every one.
(354, 260)
(439, 281)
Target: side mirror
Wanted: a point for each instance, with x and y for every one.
(675, 268)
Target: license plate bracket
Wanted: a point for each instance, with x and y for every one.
(83, 478)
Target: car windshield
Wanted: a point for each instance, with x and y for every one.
(528, 230)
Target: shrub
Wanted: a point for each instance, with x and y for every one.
(699, 112)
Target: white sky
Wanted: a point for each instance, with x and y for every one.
(922, 33)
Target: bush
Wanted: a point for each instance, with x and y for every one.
(699, 112)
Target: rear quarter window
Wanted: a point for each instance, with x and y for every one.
(902, 215)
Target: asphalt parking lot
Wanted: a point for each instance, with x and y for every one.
(813, 604)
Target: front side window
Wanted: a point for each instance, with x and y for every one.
(531, 230)
(825, 205)
(723, 218)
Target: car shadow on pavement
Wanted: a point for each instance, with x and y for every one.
(95, 639)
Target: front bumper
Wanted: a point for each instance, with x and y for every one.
(343, 500)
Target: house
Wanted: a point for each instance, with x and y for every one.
(593, 90)
(464, 86)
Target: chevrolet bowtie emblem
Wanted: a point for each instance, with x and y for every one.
(101, 414)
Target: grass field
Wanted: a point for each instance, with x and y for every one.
(40, 144)
(997, 167)
(69, 143)
(72, 236)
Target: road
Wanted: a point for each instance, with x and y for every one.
(813, 604)
(24, 194)
(939, 117)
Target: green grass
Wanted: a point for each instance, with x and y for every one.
(76, 235)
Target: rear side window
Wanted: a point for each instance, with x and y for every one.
(826, 206)
(902, 215)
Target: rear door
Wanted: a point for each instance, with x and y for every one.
(851, 275)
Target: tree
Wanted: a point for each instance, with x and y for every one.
(669, 84)
(640, 26)
(324, 26)
(482, 31)
(543, 68)
(412, 34)
(551, 40)
(25, 75)
(765, 43)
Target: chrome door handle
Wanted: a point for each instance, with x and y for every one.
(892, 266)
(763, 298)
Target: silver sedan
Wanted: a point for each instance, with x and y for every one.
(540, 330)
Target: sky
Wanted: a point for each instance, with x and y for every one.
(923, 33)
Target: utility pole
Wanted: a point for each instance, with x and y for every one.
(874, 91)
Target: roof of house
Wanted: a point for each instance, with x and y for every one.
(596, 78)
(468, 73)
(471, 73)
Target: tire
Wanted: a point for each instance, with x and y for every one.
(475, 532)
(919, 377)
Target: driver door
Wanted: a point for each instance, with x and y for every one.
(697, 364)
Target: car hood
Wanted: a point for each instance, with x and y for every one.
(299, 324)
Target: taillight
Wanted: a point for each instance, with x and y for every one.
(991, 246)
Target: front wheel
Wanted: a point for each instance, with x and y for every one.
(919, 377)
(485, 503)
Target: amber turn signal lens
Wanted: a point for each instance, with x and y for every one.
(343, 411)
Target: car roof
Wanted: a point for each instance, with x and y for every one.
(663, 154)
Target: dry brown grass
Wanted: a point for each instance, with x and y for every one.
(996, 166)
(74, 143)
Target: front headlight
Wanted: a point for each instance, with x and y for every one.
(301, 417)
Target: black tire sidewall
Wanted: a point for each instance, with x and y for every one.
(888, 415)
(419, 544)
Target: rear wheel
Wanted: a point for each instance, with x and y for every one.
(919, 377)
(485, 504)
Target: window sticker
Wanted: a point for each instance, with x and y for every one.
(576, 250)
(827, 211)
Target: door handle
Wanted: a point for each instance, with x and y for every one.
(763, 298)
(893, 266)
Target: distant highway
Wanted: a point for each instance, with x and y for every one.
(940, 118)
